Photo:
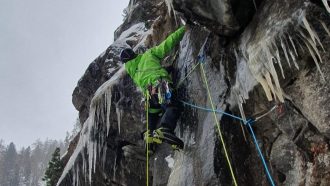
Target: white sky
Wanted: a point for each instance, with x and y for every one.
(45, 47)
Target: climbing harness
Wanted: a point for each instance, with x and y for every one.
(162, 89)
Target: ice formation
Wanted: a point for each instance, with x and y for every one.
(99, 116)
(170, 8)
(255, 64)
(325, 28)
(99, 113)
(262, 54)
(326, 5)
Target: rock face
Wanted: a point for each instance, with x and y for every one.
(257, 55)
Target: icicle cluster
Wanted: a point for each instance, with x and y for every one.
(262, 56)
(91, 137)
(99, 120)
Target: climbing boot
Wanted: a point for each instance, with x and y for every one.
(166, 135)
(148, 140)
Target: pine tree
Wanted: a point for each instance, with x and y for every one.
(2, 155)
(26, 166)
(54, 169)
(10, 167)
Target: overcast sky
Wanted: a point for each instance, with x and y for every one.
(45, 47)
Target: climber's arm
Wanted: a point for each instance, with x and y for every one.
(168, 44)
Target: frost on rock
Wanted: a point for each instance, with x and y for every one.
(137, 33)
(271, 43)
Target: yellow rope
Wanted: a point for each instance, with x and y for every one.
(191, 71)
(218, 126)
(147, 138)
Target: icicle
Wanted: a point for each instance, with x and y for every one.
(315, 60)
(169, 4)
(278, 91)
(109, 97)
(115, 168)
(313, 45)
(255, 5)
(326, 5)
(94, 157)
(285, 52)
(74, 178)
(301, 47)
(312, 33)
(273, 73)
(264, 85)
(104, 157)
(309, 29)
(119, 113)
(278, 58)
(293, 45)
(291, 54)
(77, 180)
(270, 83)
(325, 27)
(294, 59)
(90, 160)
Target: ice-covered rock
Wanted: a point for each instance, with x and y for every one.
(261, 53)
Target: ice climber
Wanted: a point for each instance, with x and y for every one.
(155, 82)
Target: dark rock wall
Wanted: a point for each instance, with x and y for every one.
(294, 138)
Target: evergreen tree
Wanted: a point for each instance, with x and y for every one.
(2, 155)
(54, 169)
(37, 162)
(26, 166)
(10, 167)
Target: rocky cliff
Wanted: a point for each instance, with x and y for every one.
(262, 59)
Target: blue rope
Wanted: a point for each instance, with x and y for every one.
(261, 156)
(247, 123)
(210, 110)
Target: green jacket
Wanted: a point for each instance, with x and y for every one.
(146, 69)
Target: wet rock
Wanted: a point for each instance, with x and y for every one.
(288, 161)
(216, 15)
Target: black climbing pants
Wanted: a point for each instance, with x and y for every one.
(167, 115)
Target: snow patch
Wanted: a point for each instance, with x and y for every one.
(137, 33)
(134, 31)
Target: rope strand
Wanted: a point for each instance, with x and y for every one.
(261, 156)
(147, 144)
(218, 126)
(247, 123)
